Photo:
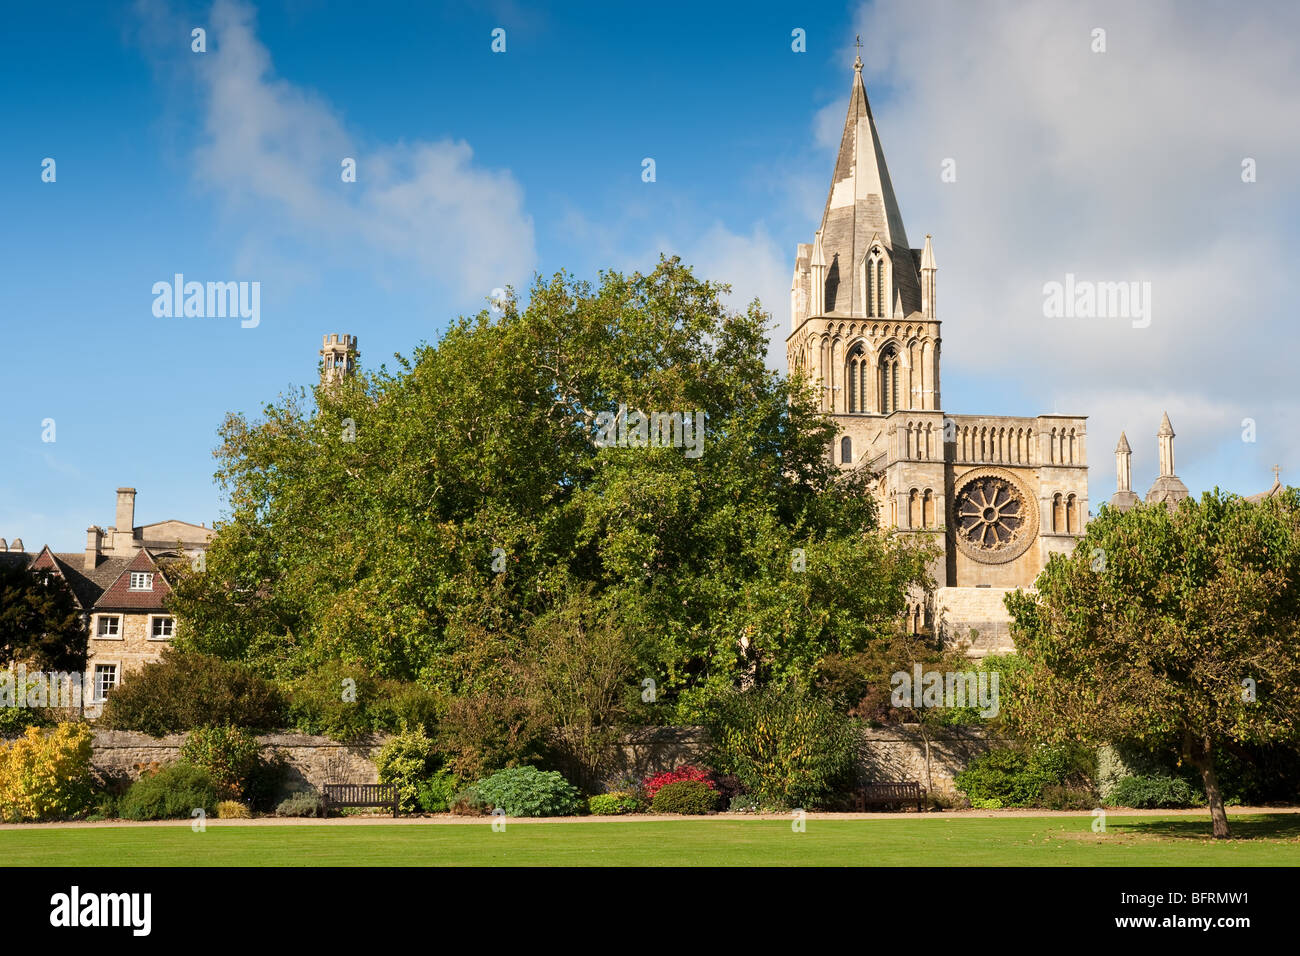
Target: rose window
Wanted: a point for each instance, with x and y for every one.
(990, 514)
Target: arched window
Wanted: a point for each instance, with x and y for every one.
(846, 450)
(914, 509)
(875, 285)
(1058, 514)
(927, 509)
(855, 380)
(1071, 515)
(889, 380)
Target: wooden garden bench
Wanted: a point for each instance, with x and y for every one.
(885, 794)
(359, 795)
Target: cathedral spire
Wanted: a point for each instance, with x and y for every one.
(861, 217)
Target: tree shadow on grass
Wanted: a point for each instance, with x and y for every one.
(1262, 826)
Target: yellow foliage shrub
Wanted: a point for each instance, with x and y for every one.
(45, 774)
(232, 810)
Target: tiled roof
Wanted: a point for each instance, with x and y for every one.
(119, 596)
(89, 585)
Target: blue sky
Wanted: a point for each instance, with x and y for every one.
(476, 169)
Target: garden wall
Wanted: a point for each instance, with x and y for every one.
(122, 755)
(888, 753)
(894, 753)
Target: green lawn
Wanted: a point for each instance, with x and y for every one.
(1260, 840)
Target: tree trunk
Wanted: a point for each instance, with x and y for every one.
(1201, 756)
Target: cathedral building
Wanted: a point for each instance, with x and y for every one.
(997, 494)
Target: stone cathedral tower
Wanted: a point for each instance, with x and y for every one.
(998, 494)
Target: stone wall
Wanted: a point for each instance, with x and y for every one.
(892, 753)
(885, 754)
(122, 756)
(899, 753)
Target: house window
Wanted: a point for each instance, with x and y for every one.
(110, 627)
(105, 680)
(162, 628)
(846, 450)
(141, 581)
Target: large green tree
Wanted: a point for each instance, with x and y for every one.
(471, 499)
(1168, 626)
(40, 622)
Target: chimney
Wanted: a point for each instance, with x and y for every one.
(94, 539)
(125, 523)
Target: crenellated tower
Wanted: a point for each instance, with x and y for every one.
(338, 357)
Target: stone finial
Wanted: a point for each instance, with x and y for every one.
(1123, 465)
(1165, 437)
(1124, 498)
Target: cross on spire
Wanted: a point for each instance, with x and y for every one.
(1277, 473)
(857, 62)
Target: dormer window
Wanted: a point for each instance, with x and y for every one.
(141, 581)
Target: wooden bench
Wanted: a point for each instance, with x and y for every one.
(359, 795)
(885, 794)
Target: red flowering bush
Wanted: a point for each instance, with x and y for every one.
(652, 785)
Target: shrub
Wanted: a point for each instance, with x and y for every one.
(467, 803)
(749, 803)
(301, 803)
(1012, 777)
(174, 792)
(528, 792)
(486, 729)
(105, 808)
(784, 745)
(1059, 796)
(1117, 761)
(233, 810)
(46, 775)
(265, 784)
(1151, 792)
(229, 755)
(652, 785)
(685, 796)
(614, 804)
(182, 691)
(436, 794)
(407, 761)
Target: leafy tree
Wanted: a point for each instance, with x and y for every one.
(1168, 625)
(473, 502)
(40, 622)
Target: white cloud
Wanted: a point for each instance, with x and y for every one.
(274, 151)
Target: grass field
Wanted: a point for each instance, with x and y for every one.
(1259, 840)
